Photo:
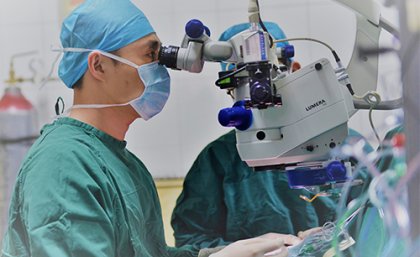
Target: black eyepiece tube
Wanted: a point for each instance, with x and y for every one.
(168, 56)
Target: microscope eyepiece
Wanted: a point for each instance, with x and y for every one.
(168, 56)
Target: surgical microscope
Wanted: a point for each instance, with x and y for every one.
(284, 120)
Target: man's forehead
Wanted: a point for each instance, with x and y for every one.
(150, 41)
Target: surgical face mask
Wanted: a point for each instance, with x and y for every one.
(156, 82)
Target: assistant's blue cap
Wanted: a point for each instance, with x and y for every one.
(275, 31)
(107, 25)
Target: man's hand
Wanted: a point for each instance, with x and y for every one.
(254, 247)
(303, 234)
(287, 239)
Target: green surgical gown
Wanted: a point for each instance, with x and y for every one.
(81, 193)
(223, 200)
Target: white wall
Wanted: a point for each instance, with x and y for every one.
(169, 143)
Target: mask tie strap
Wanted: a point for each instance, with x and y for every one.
(84, 50)
(120, 59)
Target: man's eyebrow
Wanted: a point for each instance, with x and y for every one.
(153, 44)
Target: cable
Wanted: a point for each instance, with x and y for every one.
(342, 221)
(384, 105)
(229, 75)
(343, 76)
(396, 222)
(373, 126)
(394, 209)
(48, 77)
(356, 150)
(372, 98)
(346, 191)
(306, 39)
(350, 150)
(263, 25)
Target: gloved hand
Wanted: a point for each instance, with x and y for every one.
(287, 239)
(254, 247)
(303, 234)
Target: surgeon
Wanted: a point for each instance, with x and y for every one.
(80, 192)
(224, 200)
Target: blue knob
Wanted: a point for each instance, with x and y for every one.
(336, 171)
(207, 31)
(237, 117)
(194, 28)
(288, 51)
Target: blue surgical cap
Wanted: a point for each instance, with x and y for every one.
(107, 25)
(275, 31)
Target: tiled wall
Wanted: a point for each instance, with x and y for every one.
(169, 143)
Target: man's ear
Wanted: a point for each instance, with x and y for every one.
(95, 65)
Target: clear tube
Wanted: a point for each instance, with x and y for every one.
(394, 207)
